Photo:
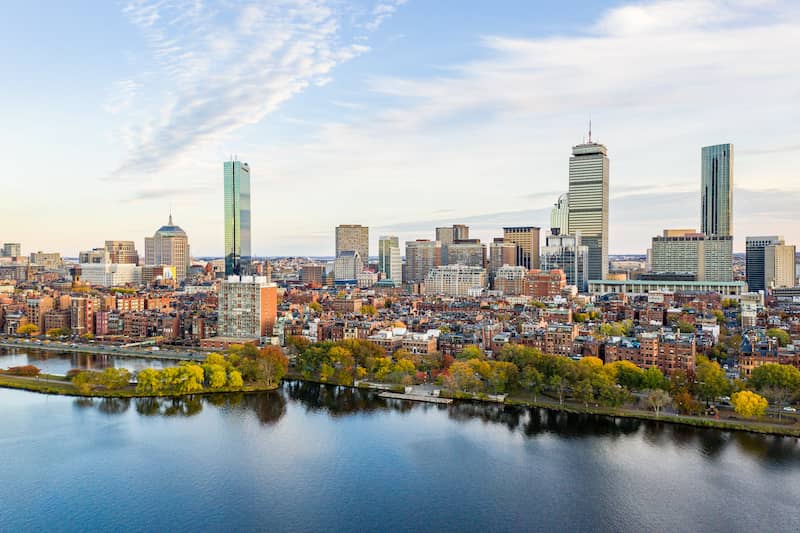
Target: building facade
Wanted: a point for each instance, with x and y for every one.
(247, 307)
(455, 280)
(588, 203)
(717, 190)
(421, 256)
(237, 218)
(779, 266)
(347, 267)
(559, 216)
(169, 245)
(527, 240)
(122, 252)
(353, 237)
(390, 262)
(709, 257)
(470, 252)
(567, 253)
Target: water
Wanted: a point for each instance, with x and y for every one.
(313, 458)
(59, 363)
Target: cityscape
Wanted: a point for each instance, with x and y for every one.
(345, 387)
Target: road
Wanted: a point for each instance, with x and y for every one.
(100, 349)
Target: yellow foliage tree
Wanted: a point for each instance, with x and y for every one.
(748, 403)
(28, 329)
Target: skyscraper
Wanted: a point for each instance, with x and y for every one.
(527, 240)
(354, 238)
(12, 249)
(567, 253)
(780, 270)
(717, 190)
(588, 203)
(754, 247)
(708, 257)
(247, 307)
(169, 246)
(122, 252)
(389, 259)
(421, 256)
(237, 218)
(559, 216)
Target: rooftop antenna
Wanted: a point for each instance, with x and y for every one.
(590, 129)
(170, 213)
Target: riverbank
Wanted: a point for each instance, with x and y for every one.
(60, 386)
(99, 349)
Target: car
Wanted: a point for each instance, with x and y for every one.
(789, 409)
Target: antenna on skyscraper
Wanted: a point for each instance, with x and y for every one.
(590, 129)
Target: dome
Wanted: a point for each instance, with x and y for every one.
(171, 230)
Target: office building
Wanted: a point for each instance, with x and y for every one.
(421, 256)
(12, 249)
(111, 274)
(755, 248)
(559, 216)
(469, 252)
(447, 235)
(313, 275)
(544, 283)
(639, 287)
(527, 240)
(501, 253)
(122, 252)
(353, 237)
(709, 257)
(588, 203)
(347, 266)
(455, 280)
(238, 254)
(247, 307)
(169, 245)
(567, 253)
(779, 266)
(717, 190)
(49, 260)
(390, 262)
(510, 280)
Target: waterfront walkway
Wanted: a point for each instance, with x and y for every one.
(415, 398)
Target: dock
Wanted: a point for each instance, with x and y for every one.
(415, 398)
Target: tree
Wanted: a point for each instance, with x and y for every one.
(777, 382)
(84, 381)
(584, 391)
(558, 384)
(464, 377)
(369, 310)
(216, 377)
(685, 403)
(748, 403)
(627, 374)
(148, 381)
(654, 379)
(532, 380)
(471, 352)
(657, 399)
(114, 378)
(235, 380)
(781, 335)
(28, 329)
(712, 382)
(273, 364)
(326, 372)
(55, 333)
(316, 307)
(685, 327)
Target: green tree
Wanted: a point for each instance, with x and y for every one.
(471, 352)
(148, 381)
(627, 374)
(326, 372)
(777, 382)
(782, 336)
(559, 385)
(748, 403)
(685, 327)
(273, 364)
(316, 307)
(532, 380)
(114, 378)
(712, 382)
(584, 392)
(654, 379)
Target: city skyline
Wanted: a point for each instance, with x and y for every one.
(349, 118)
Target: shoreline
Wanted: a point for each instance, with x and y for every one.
(99, 349)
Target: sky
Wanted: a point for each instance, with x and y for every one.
(402, 115)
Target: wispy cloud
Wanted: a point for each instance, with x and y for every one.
(121, 96)
(228, 66)
(381, 12)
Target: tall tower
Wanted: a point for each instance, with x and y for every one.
(354, 238)
(169, 245)
(717, 190)
(526, 238)
(588, 203)
(389, 260)
(559, 216)
(237, 218)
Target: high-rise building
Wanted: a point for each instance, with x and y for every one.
(455, 280)
(469, 252)
(567, 253)
(709, 257)
(238, 253)
(12, 249)
(527, 240)
(588, 203)
(353, 237)
(559, 216)
(421, 256)
(510, 280)
(447, 235)
(123, 252)
(313, 275)
(754, 259)
(347, 267)
(49, 260)
(169, 245)
(779, 266)
(717, 190)
(460, 232)
(247, 307)
(390, 263)
(501, 253)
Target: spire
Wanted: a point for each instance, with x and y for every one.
(170, 215)
(590, 129)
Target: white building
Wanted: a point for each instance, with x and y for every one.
(455, 280)
(347, 266)
(111, 274)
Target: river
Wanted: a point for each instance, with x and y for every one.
(59, 363)
(314, 458)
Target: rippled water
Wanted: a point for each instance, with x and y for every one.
(313, 458)
(59, 363)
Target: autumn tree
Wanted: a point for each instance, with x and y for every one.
(654, 379)
(711, 380)
(748, 403)
(777, 382)
(273, 364)
(782, 336)
(657, 399)
(31, 330)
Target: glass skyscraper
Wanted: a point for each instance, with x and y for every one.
(389, 260)
(237, 218)
(717, 190)
(588, 203)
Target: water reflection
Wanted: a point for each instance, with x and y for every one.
(270, 407)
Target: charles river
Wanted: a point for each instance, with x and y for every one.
(322, 458)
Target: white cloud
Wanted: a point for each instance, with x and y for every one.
(221, 76)
(121, 96)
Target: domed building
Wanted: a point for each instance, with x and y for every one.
(169, 246)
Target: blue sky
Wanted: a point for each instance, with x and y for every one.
(401, 115)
